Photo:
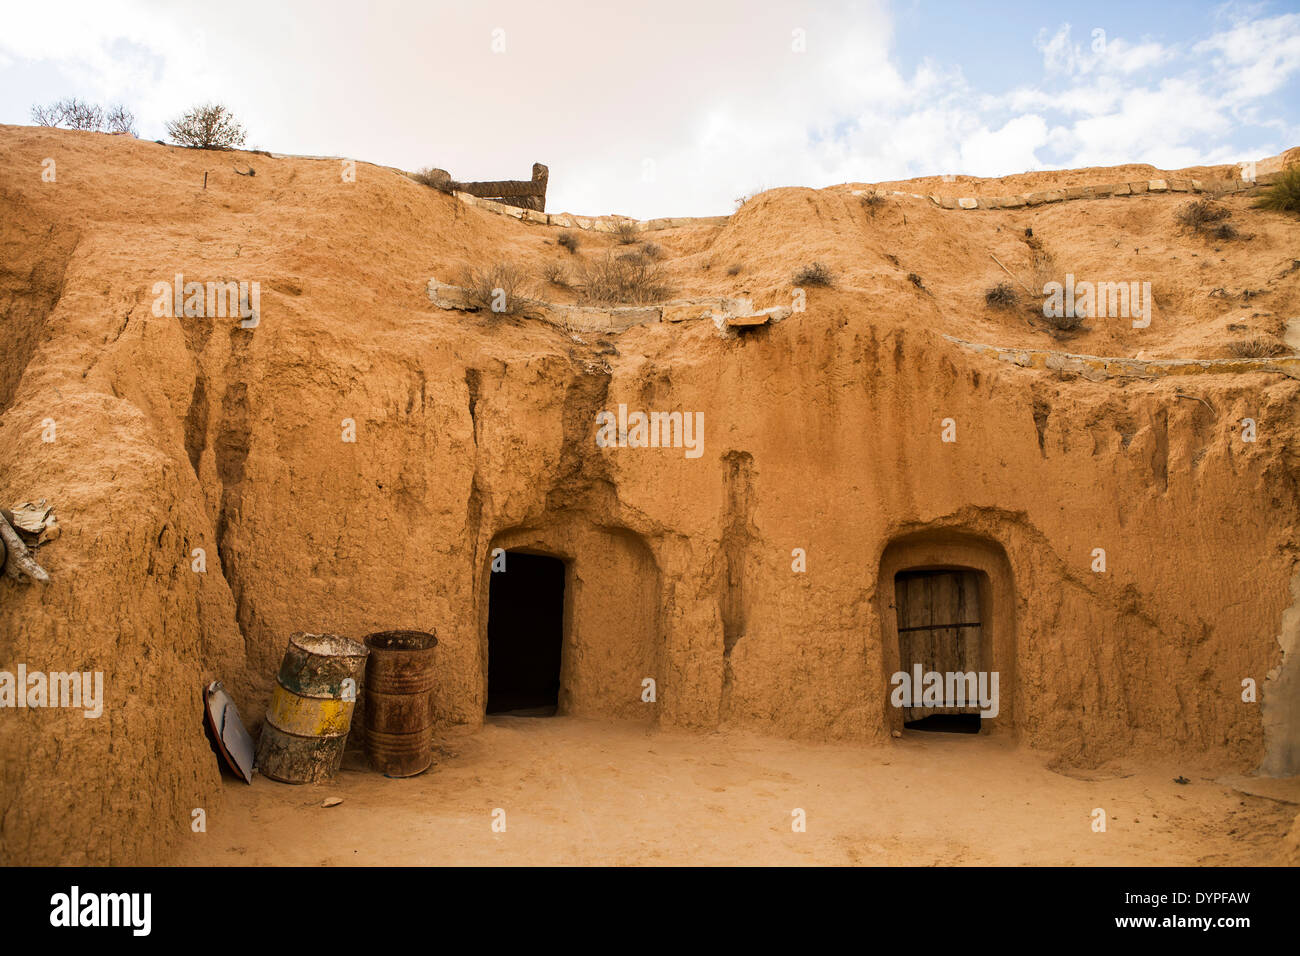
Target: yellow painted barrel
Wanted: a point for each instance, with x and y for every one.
(309, 716)
(311, 708)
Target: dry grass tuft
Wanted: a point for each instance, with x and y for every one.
(501, 288)
(1256, 346)
(1042, 266)
(815, 273)
(555, 274)
(627, 279)
(1283, 195)
(1200, 215)
(1002, 296)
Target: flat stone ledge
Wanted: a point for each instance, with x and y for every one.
(592, 223)
(721, 310)
(745, 321)
(1069, 193)
(690, 311)
(1097, 368)
(772, 315)
(453, 297)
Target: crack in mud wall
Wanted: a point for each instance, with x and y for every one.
(1042, 409)
(196, 421)
(582, 480)
(34, 257)
(233, 441)
(737, 537)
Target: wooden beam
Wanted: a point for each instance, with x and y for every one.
(19, 558)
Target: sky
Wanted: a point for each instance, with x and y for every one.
(676, 108)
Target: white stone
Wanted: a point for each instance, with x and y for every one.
(449, 297)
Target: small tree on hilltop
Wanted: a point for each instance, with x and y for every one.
(207, 127)
(51, 115)
(120, 120)
(79, 114)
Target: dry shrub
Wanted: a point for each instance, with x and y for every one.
(652, 251)
(70, 112)
(1064, 323)
(915, 279)
(1200, 214)
(872, 202)
(78, 114)
(1256, 346)
(734, 269)
(1044, 269)
(1283, 195)
(630, 278)
(500, 288)
(554, 274)
(573, 327)
(626, 232)
(1002, 296)
(568, 240)
(119, 119)
(1042, 266)
(815, 273)
(51, 115)
(211, 126)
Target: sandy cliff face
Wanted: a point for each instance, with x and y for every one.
(822, 433)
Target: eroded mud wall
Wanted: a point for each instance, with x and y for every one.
(348, 465)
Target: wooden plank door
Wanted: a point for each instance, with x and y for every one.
(938, 628)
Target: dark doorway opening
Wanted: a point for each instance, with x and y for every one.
(525, 634)
(947, 724)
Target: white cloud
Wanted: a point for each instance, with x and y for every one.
(713, 95)
(1013, 146)
(1255, 58)
(1207, 93)
(1101, 53)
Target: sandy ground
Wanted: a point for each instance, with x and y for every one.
(585, 792)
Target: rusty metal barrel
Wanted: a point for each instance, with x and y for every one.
(311, 708)
(399, 702)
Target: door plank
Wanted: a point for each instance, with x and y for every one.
(935, 604)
